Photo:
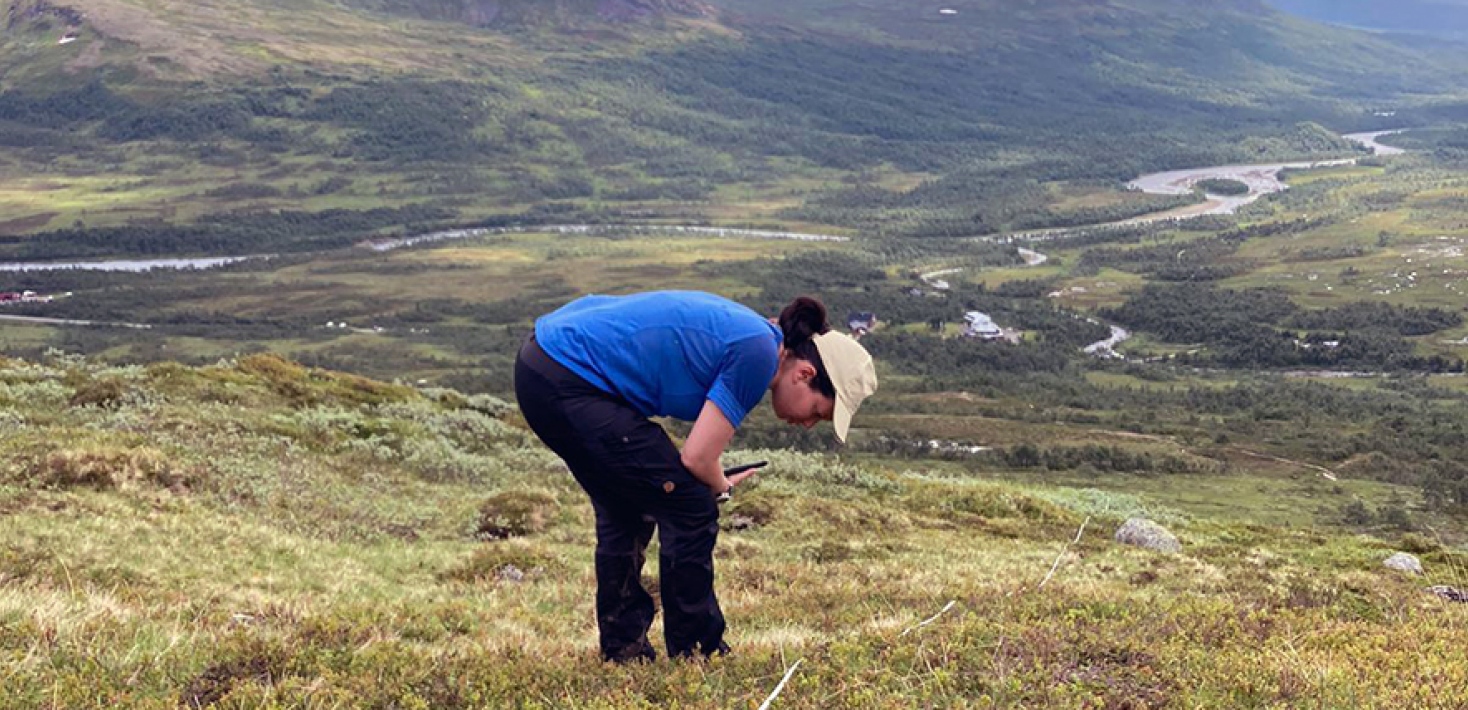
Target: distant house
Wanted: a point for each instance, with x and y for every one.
(23, 297)
(980, 325)
(68, 38)
(861, 322)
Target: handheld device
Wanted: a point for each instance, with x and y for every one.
(726, 495)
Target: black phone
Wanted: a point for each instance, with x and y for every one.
(745, 467)
(726, 495)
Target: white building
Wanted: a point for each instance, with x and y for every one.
(980, 325)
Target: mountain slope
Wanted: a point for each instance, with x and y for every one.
(210, 106)
(522, 13)
(1441, 17)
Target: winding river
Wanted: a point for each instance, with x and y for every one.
(134, 266)
(721, 232)
(1369, 140)
(139, 266)
(1261, 179)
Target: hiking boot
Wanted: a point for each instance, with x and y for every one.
(635, 653)
(704, 653)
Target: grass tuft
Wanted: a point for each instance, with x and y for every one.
(515, 514)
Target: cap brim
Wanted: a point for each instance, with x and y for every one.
(841, 419)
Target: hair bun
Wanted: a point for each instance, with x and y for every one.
(802, 320)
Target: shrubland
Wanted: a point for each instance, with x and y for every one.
(257, 532)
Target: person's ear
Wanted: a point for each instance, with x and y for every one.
(805, 372)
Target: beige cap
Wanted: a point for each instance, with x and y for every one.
(851, 370)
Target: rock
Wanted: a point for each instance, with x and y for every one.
(1147, 534)
(1451, 594)
(1404, 562)
(738, 523)
(510, 573)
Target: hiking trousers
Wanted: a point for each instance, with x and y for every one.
(636, 480)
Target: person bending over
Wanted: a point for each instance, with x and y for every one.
(595, 370)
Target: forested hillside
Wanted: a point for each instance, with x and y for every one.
(531, 13)
(876, 117)
(1443, 17)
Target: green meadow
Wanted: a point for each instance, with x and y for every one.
(254, 533)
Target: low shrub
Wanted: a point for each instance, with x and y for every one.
(105, 393)
(515, 514)
(500, 560)
(104, 468)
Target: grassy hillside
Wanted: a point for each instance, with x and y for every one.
(190, 113)
(259, 533)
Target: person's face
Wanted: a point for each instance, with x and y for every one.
(795, 401)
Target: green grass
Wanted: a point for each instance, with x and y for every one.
(256, 533)
(14, 337)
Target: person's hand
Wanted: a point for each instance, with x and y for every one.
(734, 476)
(737, 478)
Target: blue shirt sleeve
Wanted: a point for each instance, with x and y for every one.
(744, 376)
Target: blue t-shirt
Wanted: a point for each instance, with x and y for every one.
(667, 352)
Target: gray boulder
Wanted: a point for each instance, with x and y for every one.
(1452, 594)
(1147, 534)
(1403, 562)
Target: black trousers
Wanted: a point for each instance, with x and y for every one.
(636, 480)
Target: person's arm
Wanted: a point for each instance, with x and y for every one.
(711, 433)
(743, 377)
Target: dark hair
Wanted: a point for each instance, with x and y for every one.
(801, 321)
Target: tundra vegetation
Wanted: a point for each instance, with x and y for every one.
(256, 532)
(304, 485)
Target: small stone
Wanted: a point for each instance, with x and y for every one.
(1149, 535)
(737, 522)
(1452, 594)
(510, 573)
(1403, 562)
